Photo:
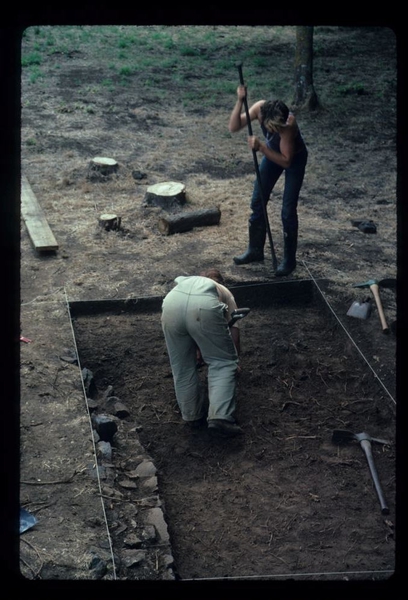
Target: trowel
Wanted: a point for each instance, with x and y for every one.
(360, 310)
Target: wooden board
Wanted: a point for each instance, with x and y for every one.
(37, 226)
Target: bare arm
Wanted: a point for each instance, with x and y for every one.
(287, 145)
(238, 118)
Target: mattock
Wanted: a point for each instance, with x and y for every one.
(341, 436)
(374, 286)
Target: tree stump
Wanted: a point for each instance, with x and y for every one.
(168, 195)
(110, 222)
(186, 221)
(101, 167)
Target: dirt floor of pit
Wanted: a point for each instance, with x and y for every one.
(283, 499)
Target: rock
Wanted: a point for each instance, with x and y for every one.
(150, 484)
(146, 469)
(69, 356)
(149, 534)
(98, 568)
(107, 393)
(104, 450)
(167, 561)
(132, 541)
(111, 492)
(132, 558)
(127, 484)
(89, 383)
(155, 517)
(105, 426)
(97, 471)
(92, 404)
(116, 407)
(138, 175)
(132, 475)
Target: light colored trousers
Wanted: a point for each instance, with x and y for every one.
(192, 315)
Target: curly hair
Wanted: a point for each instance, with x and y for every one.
(213, 274)
(274, 113)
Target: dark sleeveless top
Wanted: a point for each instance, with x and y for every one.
(273, 140)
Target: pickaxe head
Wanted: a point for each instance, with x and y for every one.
(342, 436)
(389, 282)
(238, 313)
(366, 283)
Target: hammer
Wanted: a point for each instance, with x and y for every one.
(365, 440)
(374, 285)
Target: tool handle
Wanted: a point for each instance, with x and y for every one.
(258, 175)
(241, 80)
(375, 290)
(366, 446)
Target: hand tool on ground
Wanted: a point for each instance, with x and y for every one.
(360, 310)
(374, 286)
(238, 313)
(27, 520)
(365, 226)
(258, 175)
(341, 436)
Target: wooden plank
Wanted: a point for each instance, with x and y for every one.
(37, 225)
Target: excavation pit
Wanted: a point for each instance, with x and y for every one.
(282, 501)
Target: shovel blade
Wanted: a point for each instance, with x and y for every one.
(359, 310)
(341, 436)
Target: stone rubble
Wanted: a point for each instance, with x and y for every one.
(147, 539)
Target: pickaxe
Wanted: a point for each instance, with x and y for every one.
(374, 286)
(238, 313)
(342, 436)
(258, 175)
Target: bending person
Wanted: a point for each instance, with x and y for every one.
(195, 315)
(283, 151)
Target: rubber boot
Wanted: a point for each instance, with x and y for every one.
(255, 250)
(289, 256)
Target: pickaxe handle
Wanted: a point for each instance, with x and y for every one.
(376, 293)
(366, 446)
(258, 176)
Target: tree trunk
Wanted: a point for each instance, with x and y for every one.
(110, 222)
(305, 95)
(186, 221)
(102, 167)
(168, 195)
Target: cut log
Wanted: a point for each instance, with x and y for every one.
(188, 220)
(37, 226)
(168, 195)
(110, 222)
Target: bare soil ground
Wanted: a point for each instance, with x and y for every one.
(283, 501)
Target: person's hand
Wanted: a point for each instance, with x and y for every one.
(241, 92)
(253, 143)
(238, 371)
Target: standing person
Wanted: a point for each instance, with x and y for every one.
(195, 315)
(283, 151)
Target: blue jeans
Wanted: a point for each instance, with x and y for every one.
(270, 173)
